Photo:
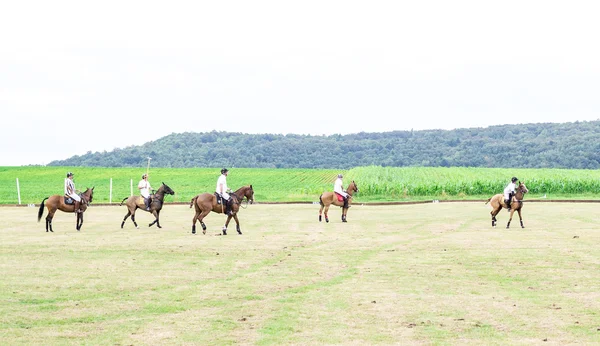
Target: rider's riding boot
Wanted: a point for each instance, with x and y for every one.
(76, 208)
(507, 201)
(228, 207)
(346, 203)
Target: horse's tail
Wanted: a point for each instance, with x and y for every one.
(321, 200)
(488, 201)
(193, 200)
(41, 211)
(123, 201)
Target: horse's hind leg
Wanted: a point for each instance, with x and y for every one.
(49, 221)
(325, 212)
(125, 218)
(321, 212)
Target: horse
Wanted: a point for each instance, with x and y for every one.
(328, 198)
(497, 203)
(135, 202)
(207, 202)
(57, 202)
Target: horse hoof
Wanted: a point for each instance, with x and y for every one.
(204, 232)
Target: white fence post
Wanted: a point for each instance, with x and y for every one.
(110, 193)
(18, 191)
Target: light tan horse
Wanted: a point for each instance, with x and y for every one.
(207, 202)
(331, 198)
(516, 203)
(137, 202)
(57, 202)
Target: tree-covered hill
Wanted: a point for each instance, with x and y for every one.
(543, 145)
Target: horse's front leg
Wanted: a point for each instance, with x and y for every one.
(520, 218)
(226, 224)
(156, 214)
(344, 212)
(79, 221)
(512, 211)
(237, 224)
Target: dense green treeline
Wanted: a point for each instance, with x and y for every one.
(546, 145)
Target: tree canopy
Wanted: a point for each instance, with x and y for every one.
(542, 145)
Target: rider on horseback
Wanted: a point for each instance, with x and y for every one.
(338, 187)
(222, 190)
(509, 191)
(70, 192)
(145, 188)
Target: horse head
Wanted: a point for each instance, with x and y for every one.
(352, 188)
(88, 195)
(245, 191)
(167, 190)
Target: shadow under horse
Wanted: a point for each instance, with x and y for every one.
(516, 203)
(57, 202)
(137, 202)
(331, 198)
(207, 202)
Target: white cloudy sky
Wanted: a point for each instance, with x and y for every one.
(79, 76)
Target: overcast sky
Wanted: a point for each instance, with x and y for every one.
(79, 76)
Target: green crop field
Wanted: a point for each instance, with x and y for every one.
(376, 184)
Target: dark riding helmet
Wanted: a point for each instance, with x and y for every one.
(224, 170)
(69, 174)
(340, 176)
(514, 179)
(144, 175)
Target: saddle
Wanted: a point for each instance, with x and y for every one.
(69, 200)
(219, 198)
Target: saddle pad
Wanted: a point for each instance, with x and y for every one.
(69, 200)
(339, 197)
(141, 200)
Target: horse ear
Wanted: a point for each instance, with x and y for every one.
(251, 187)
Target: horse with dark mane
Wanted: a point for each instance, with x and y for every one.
(516, 203)
(59, 202)
(137, 202)
(207, 202)
(331, 198)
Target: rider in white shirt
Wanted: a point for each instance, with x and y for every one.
(509, 191)
(338, 187)
(70, 191)
(145, 188)
(222, 190)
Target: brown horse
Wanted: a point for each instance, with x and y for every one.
(328, 198)
(57, 202)
(516, 203)
(135, 202)
(207, 202)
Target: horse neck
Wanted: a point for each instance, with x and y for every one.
(160, 193)
(519, 195)
(349, 191)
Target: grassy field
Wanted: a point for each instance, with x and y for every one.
(376, 184)
(432, 273)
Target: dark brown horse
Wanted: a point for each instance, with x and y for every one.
(137, 202)
(207, 202)
(57, 202)
(328, 198)
(516, 203)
